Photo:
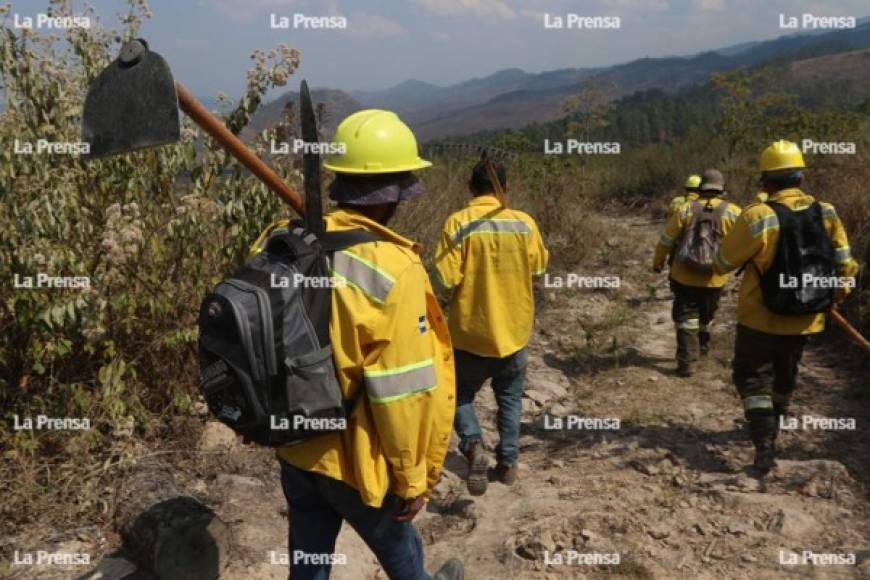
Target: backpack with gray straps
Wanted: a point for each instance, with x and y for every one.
(703, 236)
(266, 361)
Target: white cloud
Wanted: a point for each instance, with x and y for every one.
(440, 36)
(651, 5)
(249, 9)
(363, 25)
(710, 5)
(483, 8)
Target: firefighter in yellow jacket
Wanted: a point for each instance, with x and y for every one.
(487, 257)
(693, 182)
(394, 359)
(696, 288)
(769, 345)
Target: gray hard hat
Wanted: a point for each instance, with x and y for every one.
(712, 180)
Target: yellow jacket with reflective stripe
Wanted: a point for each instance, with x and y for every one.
(753, 239)
(676, 228)
(678, 202)
(393, 355)
(487, 255)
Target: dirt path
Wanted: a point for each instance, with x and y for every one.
(668, 491)
(666, 494)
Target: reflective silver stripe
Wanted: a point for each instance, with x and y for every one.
(758, 402)
(829, 212)
(363, 275)
(689, 324)
(730, 213)
(391, 385)
(687, 210)
(766, 223)
(666, 240)
(485, 226)
(842, 255)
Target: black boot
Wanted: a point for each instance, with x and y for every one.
(762, 430)
(765, 456)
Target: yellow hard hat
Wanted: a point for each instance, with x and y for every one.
(375, 141)
(782, 155)
(693, 181)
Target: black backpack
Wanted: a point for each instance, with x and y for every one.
(803, 250)
(265, 355)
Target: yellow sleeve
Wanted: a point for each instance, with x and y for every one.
(448, 260)
(729, 217)
(846, 264)
(744, 240)
(673, 230)
(399, 378)
(539, 257)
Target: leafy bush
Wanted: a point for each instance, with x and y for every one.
(120, 351)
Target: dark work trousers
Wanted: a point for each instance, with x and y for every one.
(765, 373)
(318, 505)
(692, 312)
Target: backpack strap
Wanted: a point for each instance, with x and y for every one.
(341, 240)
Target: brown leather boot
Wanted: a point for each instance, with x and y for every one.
(477, 468)
(507, 474)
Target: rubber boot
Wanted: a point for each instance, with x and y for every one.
(763, 431)
(684, 369)
(477, 468)
(451, 570)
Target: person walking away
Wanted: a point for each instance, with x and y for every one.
(394, 362)
(691, 238)
(788, 237)
(693, 182)
(487, 257)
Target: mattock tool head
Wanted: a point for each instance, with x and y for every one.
(132, 104)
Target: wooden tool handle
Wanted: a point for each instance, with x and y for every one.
(214, 127)
(850, 330)
(496, 184)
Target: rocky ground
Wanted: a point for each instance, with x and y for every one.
(667, 494)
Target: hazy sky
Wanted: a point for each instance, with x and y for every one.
(208, 42)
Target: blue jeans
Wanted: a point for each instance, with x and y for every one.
(508, 376)
(317, 506)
